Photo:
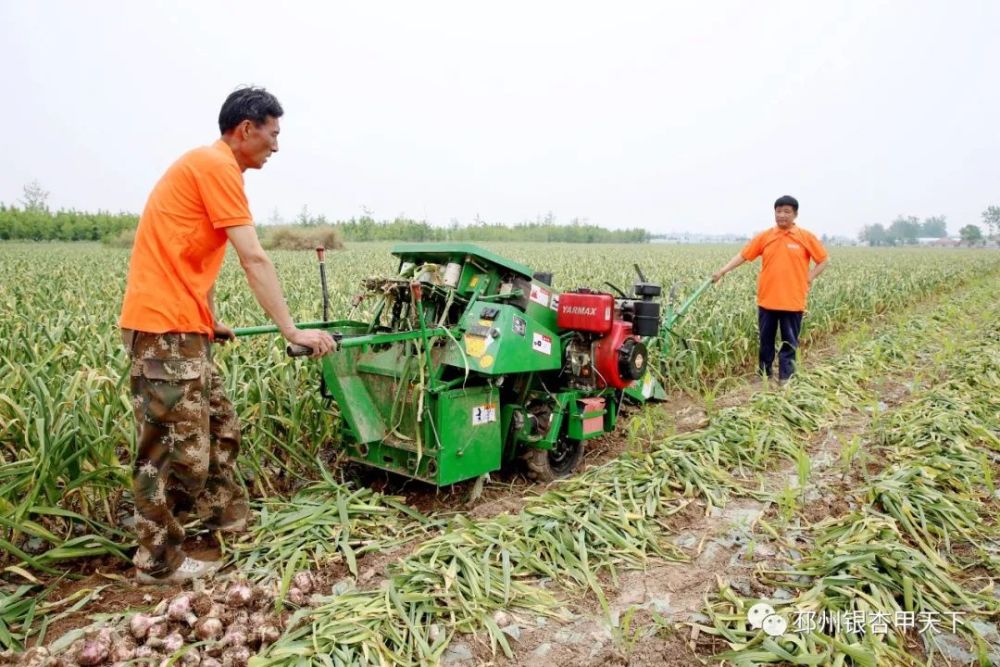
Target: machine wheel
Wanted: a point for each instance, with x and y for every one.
(545, 465)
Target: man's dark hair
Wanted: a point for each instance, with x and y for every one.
(787, 200)
(248, 103)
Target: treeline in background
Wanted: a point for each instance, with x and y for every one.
(34, 221)
(63, 225)
(544, 230)
(909, 230)
(119, 229)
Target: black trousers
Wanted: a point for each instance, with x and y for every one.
(769, 322)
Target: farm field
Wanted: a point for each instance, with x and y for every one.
(864, 487)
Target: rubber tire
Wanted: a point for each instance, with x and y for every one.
(542, 467)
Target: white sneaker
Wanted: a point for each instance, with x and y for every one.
(189, 570)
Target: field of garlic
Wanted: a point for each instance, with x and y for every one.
(306, 586)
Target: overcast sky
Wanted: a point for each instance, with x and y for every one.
(667, 115)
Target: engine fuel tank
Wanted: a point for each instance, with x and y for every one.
(586, 311)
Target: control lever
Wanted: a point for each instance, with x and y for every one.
(294, 350)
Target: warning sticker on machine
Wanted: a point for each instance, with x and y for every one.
(539, 295)
(484, 414)
(541, 343)
(475, 346)
(555, 303)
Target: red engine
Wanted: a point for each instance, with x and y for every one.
(604, 352)
(619, 357)
(585, 311)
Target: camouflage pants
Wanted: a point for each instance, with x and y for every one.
(188, 441)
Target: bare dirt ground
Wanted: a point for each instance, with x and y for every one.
(721, 546)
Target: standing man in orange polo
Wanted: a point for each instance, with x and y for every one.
(785, 278)
(188, 433)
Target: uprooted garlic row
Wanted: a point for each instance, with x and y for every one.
(219, 627)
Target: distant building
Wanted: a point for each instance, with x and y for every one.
(691, 237)
(839, 241)
(935, 242)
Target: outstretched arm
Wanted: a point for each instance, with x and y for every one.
(736, 261)
(263, 281)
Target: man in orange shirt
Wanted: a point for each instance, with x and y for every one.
(785, 278)
(188, 433)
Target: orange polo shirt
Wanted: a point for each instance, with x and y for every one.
(784, 272)
(181, 241)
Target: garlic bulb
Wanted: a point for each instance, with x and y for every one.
(173, 642)
(201, 603)
(236, 635)
(179, 609)
(191, 658)
(304, 581)
(144, 652)
(157, 630)
(236, 657)
(93, 652)
(123, 650)
(239, 595)
(141, 623)
(296, 597)
(208, 628)
(267, 634)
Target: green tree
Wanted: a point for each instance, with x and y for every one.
(934, 227)
(991, 218)
(874, 235)
(303, 217)
(904, 230)
(36, 197)
(971, 234)
(40, 224)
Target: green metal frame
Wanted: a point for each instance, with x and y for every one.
(444, 252)
(426, 399)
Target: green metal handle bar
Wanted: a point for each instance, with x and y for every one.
(674, 315)
(351, 341)
(272, 329)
